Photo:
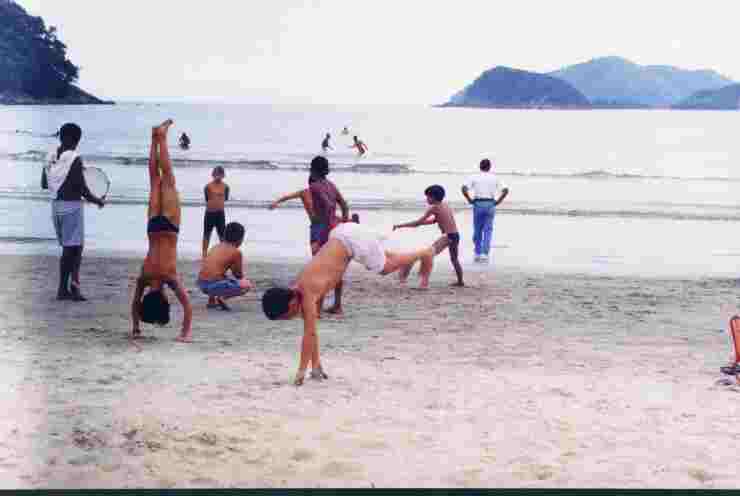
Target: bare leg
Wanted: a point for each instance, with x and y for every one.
(170, 206)
(456, 265)
(396, 261)
(155, 196)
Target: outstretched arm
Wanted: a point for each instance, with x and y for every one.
(425, 220)
(504, 194)
(283, 199)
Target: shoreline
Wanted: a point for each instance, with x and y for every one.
(520, 380)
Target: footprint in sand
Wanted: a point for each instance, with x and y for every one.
(340, 469)
(302, 455)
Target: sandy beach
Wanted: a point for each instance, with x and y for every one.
(520, 380)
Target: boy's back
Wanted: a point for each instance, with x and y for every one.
(222, 258)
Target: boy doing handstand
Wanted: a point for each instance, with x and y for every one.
(160, 264)
(441, 214)
(225, 256)
(347, 242)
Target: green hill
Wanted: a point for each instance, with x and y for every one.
(34, 67)
(503, 87)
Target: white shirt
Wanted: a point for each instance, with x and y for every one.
(485, 185)
(364, 245)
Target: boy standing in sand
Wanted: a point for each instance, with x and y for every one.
(348, 241)
(360, 146)
(325, 146)
(225, 256)
(441, 214)
(217, 194)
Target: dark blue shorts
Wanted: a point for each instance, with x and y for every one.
(319, 234)
(224, 288)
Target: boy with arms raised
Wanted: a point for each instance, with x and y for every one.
(347, 242)
(225, 256)
(441, 214)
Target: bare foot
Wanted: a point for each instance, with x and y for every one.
(161, 130)
(136, 334)
(335, 310)
(184, 339)
(211, 302)
(319, 374)
(299, 378)
(222, 305)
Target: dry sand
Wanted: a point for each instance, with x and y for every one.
(521, 380)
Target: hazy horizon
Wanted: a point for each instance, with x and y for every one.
(340, 52)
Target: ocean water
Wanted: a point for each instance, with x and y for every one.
(599, 192)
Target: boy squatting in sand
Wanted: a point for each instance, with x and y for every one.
(217, 194)
(212, 279)
(441, 214)
(347, 242)
(160, 265)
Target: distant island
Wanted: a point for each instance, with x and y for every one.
(601, 83)
(34, 68)
(503, 87)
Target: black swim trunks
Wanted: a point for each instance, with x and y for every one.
(217, 220)
(160, 223)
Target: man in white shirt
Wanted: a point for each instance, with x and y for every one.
(484, 187)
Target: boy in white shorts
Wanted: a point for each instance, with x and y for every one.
(347, 242)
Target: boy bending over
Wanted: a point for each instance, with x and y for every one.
(347, 242)
(225, 256)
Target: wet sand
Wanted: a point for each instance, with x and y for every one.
(519, 380)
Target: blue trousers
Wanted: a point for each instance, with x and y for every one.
(483, 215)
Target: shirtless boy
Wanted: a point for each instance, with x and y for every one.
(225, 256)
(347, 242)
(217, 194)
(160, 264)
(441, 214)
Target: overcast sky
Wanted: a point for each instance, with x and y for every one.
(370, 51)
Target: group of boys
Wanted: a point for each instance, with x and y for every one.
(334, 243)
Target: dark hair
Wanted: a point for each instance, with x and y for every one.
(436, 191)
(356, 218)
(155, 309)
(234, 233)
(218, 170)
(485, 165)
(319, 167)
(275, 302)
(70, 135)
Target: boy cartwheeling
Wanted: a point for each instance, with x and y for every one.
(217, 194)
(347, 242)
(441, 214)
(212, 279)
(160, 265)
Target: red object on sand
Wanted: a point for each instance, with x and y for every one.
(735, 333)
